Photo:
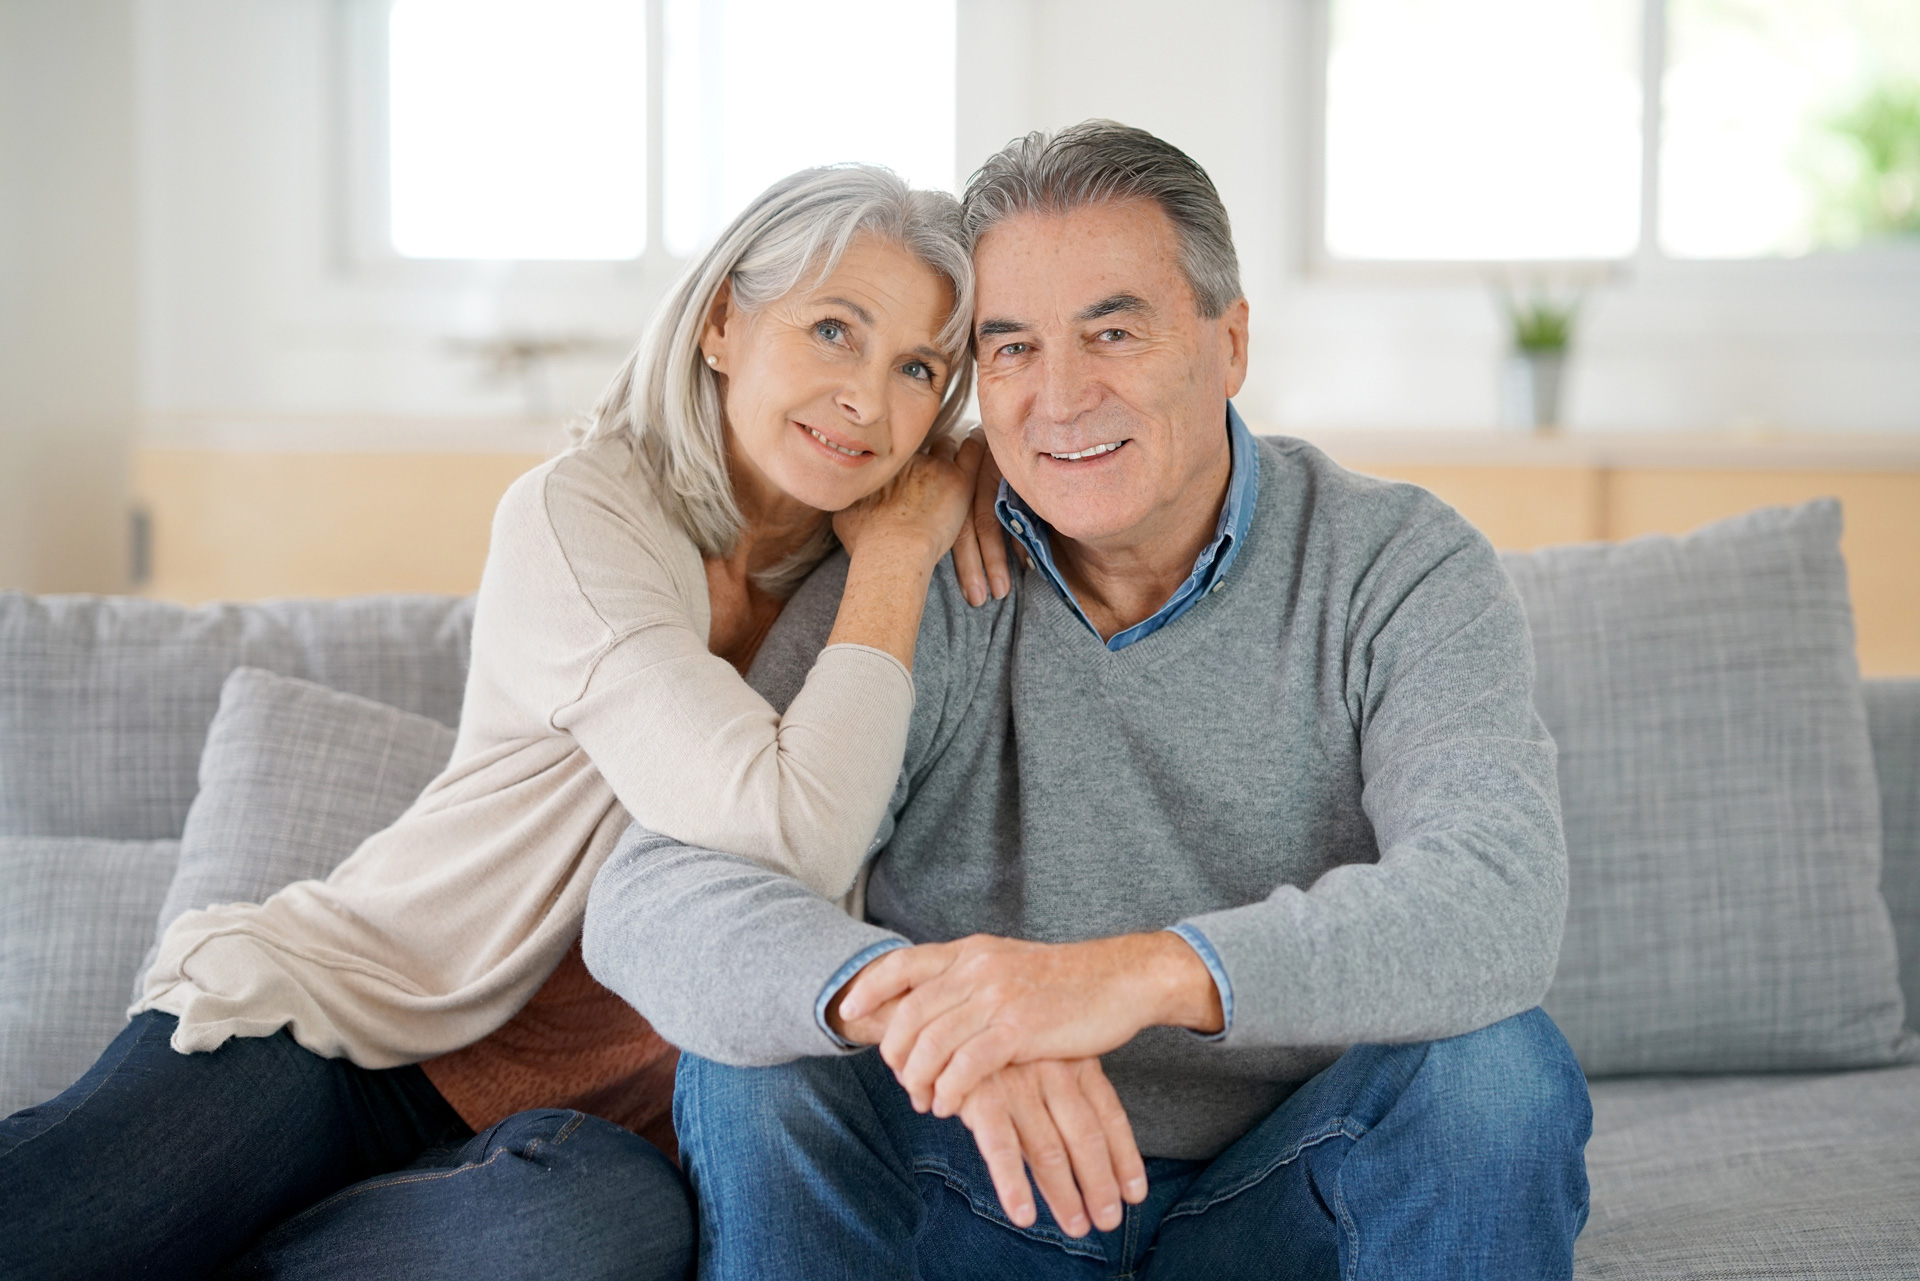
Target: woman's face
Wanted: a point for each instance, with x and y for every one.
(829, 390)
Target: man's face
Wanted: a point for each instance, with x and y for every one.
(1090, 344)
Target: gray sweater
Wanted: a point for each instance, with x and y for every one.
(1331, 768)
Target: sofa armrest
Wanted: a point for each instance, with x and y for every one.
(1893, 716)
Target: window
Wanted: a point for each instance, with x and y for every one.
(519, 129)
(1524, 130)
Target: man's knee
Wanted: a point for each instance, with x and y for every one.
(1511, 1090)
(738, 1107)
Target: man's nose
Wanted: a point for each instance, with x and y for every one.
(1067, 388)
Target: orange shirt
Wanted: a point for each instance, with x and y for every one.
(574, 1045)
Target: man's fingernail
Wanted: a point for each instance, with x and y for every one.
(1136, 1188)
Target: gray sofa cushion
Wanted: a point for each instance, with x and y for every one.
(75, 915)
(1755, 1177)
(1722, 816)
(1893, 714)
(293, 779)
(104, 702)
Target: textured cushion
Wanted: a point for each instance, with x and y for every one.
(293, 779)
(104, 702)
(75, 916)
(1893, 714)
(1722, 815)
(1755, 1177)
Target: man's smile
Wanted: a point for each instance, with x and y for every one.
(1092, 451)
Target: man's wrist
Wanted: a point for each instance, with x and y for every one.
(1180, 990)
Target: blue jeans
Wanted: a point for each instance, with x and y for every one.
(264, 1159)
(1454, 1158)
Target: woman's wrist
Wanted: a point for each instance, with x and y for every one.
(885, 594)
(909, 550)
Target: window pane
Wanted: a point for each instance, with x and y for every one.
(758, 88)
(1788, 125)
(1483, 129)
(518, 128)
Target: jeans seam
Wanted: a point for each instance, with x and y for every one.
(1342, 1127)
(397, 1179)
(1065, 1244)
(71, 1111)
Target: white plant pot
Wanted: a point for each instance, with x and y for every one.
(1530, 384)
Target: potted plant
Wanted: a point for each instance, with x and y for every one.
(1542, 330)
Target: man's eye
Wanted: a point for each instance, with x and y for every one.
(1014, 349)
(1112, 335)
(917, 369)
(830, 330)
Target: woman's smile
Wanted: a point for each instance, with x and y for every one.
(834, 446)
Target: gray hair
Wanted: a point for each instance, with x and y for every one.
(668, 401)
(1097, 161)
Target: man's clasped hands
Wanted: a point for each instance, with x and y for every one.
(1007, 1035)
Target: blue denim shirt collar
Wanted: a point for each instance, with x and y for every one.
(1209, 571)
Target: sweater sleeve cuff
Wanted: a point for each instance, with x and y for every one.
(842, 977)
(1211, 959)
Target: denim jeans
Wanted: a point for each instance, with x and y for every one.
(264, 1159)
(1454, 1158)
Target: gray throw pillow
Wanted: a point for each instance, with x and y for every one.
(293, 778)
(75, 914)
(1722, 815)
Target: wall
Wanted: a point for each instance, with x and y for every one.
(68, 367)
(178, 264)
(257, 317)
(1822, 344)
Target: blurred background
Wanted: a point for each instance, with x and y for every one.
(291, 289)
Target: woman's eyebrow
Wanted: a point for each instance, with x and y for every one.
(931, 355)
(860, 313)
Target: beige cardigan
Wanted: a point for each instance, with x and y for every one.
(591, 697)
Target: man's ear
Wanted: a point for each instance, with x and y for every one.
(721, 316)
(1233, 325)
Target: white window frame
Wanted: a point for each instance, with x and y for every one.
(362, 214)
(1576, 271)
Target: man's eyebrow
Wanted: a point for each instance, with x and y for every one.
(860, 313)
(990, 328)
(1114, 305)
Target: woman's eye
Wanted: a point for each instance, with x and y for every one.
(917, 369)
(830, 330)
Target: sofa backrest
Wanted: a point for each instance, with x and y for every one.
(105, 701)
(1893, 718)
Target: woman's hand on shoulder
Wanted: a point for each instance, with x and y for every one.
(921, 511)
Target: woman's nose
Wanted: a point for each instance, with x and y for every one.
(864, 395)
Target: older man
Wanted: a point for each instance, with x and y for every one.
(1225, 870)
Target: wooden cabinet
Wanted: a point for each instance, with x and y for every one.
(1527, 492)
(242, 525)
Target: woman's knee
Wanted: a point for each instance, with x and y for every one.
(611, 1203)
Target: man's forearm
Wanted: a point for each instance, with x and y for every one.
(725, 958)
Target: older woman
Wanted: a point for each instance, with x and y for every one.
(405, 1068)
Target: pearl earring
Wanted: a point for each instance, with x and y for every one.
(713, 362)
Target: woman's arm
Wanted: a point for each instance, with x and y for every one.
(687, 746)
(894, 539)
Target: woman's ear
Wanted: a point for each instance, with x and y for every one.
(721, 315)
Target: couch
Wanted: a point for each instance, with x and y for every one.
(105, 707)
